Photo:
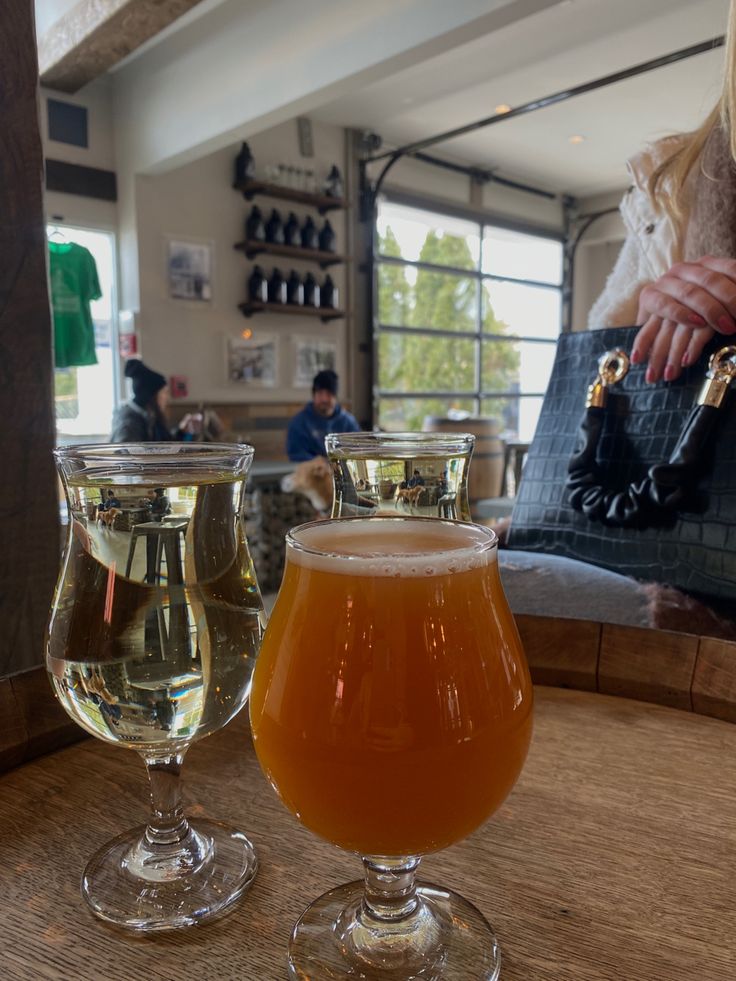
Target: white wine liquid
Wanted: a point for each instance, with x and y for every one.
(157, 618)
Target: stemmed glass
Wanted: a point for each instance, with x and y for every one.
(417, 474)
(392, 712)
(155, 626)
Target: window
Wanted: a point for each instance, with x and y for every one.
(85, 396)
(468, 318)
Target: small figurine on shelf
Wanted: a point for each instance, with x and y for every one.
(310, 235)
(329, 294)
(311, 291)
(294, 289)
(276, 288)
(292, 234)
(257, 286)
(275, 229)
(255, 230)
(333, 186)
(245, 165)
(327, 238)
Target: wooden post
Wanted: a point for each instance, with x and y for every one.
(29, 515)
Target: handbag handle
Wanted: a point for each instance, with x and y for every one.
(668, 486)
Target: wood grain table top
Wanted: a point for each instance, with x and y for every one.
(612, 860)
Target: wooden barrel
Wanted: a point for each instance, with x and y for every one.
(487, 463)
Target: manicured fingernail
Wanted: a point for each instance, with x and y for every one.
(669, 373)
(651, 374)
(685, 360)
(635, 357)
(696, 319)
(727, 325)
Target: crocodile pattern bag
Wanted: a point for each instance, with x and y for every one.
(696, 549)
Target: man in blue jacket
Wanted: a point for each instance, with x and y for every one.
(323, 415)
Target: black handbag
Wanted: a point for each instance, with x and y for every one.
(644, 484)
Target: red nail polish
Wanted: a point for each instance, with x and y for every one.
(727, 325)
(650, 376)
(635, 357)
(685, 360)
(669, 373)
(696, 319)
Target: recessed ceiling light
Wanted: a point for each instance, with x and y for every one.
(500, 110)
(577, 138)
(246, 334)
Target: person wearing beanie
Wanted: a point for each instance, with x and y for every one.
(142, 419)
(305, 438)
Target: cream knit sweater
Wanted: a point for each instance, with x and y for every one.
(652, 245)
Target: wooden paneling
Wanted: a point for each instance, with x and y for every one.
(649, 665)
(96, 34)
(714, 681)
(561, 653)
(29, 520)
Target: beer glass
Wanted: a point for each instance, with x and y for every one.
(392, 712)
(412, 474)
(155, 626)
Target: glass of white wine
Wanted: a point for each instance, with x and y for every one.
(155, 626)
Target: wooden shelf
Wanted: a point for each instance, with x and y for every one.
(290, 310)
(322, 202)
(323, 259)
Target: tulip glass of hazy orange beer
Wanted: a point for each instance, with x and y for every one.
(392, 711)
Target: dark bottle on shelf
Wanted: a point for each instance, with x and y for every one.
(245, 165)
(311, 291)
(255, 230)
(294, 289)
(275, 229)
(310, 235)
(276, 288)
(329, 294)
(333, 186)
(327, 238)
(292, 234)
(257, 286)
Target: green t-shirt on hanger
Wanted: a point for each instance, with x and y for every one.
(74, 284)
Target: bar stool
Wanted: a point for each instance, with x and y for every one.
(166, 545)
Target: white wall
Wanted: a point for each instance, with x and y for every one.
(197, 202)
(596, 254)
(97, 98)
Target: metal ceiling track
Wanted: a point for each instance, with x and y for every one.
(416, 149)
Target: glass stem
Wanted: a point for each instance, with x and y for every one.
(167, 825)
(390, 888)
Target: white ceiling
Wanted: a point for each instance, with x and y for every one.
(567, 45)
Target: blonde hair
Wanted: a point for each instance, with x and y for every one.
(675, 168)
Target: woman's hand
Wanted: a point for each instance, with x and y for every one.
(681, 311)
(669, 347)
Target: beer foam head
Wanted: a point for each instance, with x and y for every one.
(397, 547)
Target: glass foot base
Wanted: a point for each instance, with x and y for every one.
(446, 939)
(173, 893)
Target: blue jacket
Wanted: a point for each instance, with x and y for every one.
(305, 438)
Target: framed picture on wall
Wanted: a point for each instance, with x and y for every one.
(310, 356)
(253, 362)
(189, 270)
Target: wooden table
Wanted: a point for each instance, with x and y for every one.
(613, 859)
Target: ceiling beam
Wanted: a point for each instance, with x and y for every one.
(96, 34)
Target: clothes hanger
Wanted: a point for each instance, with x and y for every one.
(56, 234)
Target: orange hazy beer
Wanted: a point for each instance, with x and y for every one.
(391, 702)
